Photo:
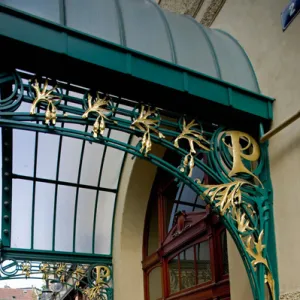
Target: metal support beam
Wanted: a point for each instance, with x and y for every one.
(280, 127)
(6, 185)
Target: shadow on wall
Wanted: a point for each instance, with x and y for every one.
(135, 187)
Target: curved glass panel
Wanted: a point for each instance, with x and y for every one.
(24, 142)
(64, 188)
(104, 222)
(21, 216)
(64, 221)
(84, 221)
(43, 215)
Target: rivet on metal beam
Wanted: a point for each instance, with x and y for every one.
(5, 231)
(6, 218)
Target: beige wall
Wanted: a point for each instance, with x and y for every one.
(137, 179)
(275, 56)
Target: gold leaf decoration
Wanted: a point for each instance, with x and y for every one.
(269, 280)
(243, 223)
(146, 122)
(26, 269)
(60, 271)
(225, 195)
(228, 198)
(44, 95)
(45, 268)
(79, 273)
(98, 106)
(255, 250)
(103, 275)
(249, 152)
(193, 137)
(93, 292)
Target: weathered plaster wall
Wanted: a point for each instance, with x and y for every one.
(275, 56)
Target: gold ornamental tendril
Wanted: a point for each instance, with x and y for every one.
(228, 198)
(255, 250)
(103, 274)
(225, 196)
(60, 270)
(44, 268)
(93, 292)
(44, 95)
(98, 106)
(146, 122)
(79, 273)
(26, 269)
(194, 138)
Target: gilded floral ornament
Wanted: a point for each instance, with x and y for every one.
(26, 269)
(45, 269)
(103, 276)
(44, 95)
(228, 199)
(147, 121)
(194, 137)
(224, 196)
(79, 273)
(256, 250)
(60, 271)
(99, 106)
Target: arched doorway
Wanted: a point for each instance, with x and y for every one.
(185, 244)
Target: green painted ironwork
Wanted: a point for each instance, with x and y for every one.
(124, 69)
(254, 207)
(79, 277)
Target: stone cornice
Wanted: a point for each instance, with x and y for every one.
(193, 7)
(290, 296)
(212, 12)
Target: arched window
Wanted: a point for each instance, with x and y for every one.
(185, 247)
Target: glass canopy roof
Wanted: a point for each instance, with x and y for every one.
(64, 189)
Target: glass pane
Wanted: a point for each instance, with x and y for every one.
(47, 155)
(85, 220)
(173, 275)
(224, 252)
(69, 160)
(21, 214)
(155, 284)
(65, 218)
(187, 268)
(43, 216)
(23, 152)
(91, 163)
(113, 162)
(203, 262)
(188, 195)
(103, 233)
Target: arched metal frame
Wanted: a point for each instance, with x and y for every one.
(242, 195)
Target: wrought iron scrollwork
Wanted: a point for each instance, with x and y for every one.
(94, 281)
(234, 161)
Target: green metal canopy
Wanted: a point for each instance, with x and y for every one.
(124, 44)
(111, 62)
